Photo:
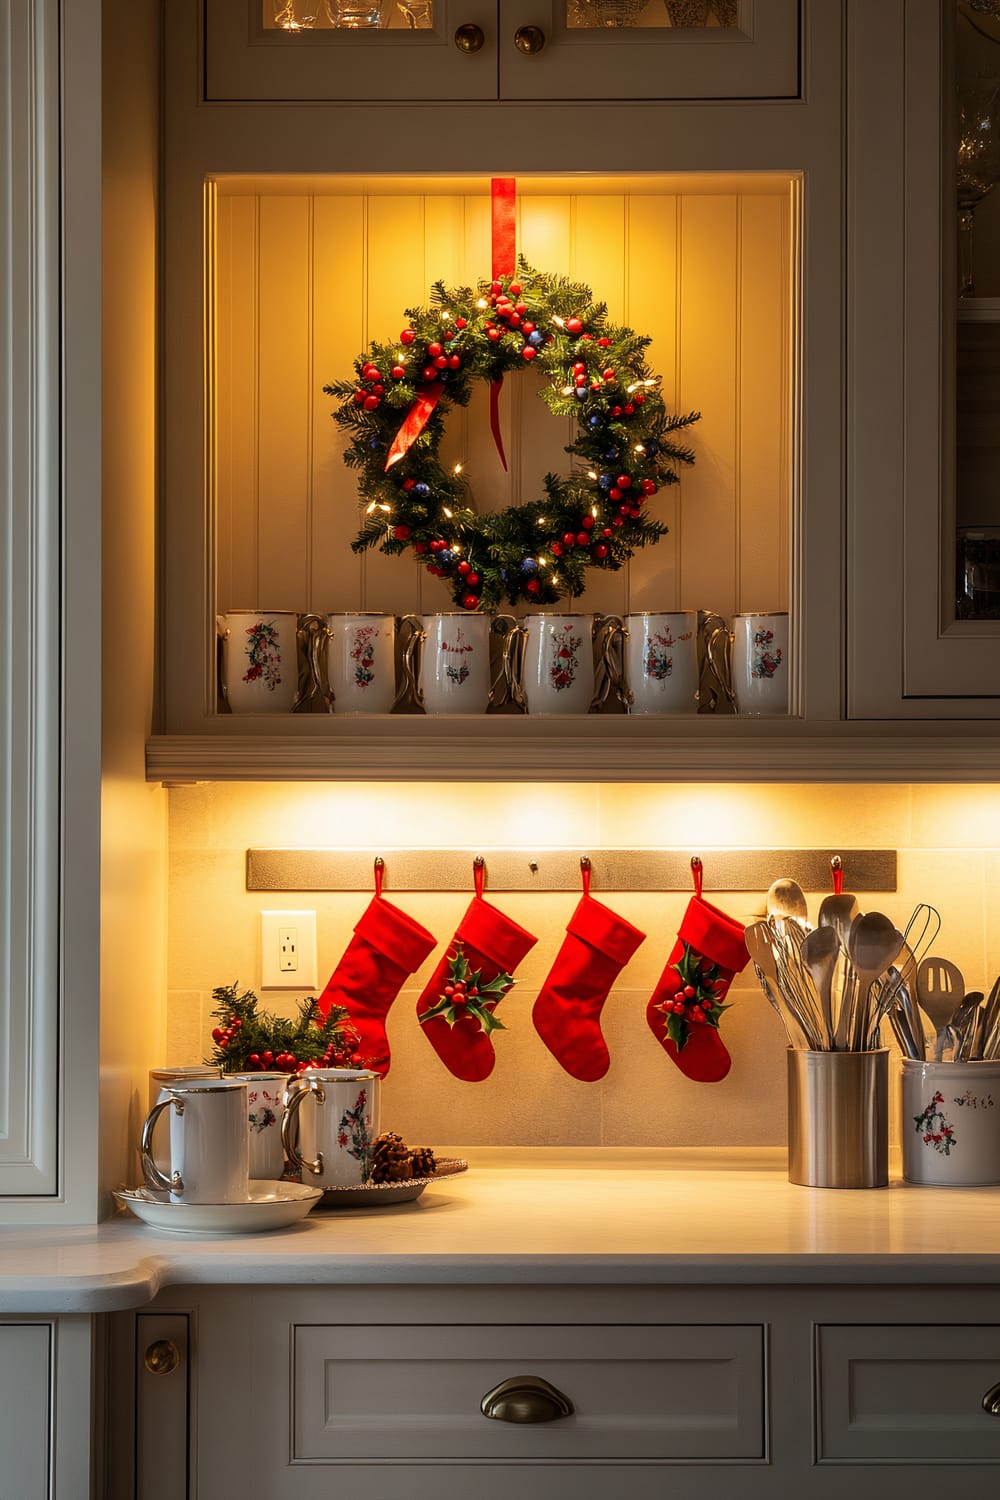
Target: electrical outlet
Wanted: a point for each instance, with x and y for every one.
(288, 950)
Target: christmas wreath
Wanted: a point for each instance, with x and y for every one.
(541, 550)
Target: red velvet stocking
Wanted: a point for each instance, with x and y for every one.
(684, 1010)
(479, 965)
(386, 948)
(567, 1014)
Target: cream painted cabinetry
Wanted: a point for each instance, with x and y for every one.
(256, 49)
(697, 1392)
(45, 1409)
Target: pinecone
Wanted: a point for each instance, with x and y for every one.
(422, 1161)
(390, 1159)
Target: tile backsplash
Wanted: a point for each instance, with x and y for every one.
(947, 838)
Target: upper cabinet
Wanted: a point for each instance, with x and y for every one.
(338, 50)
(924, 359)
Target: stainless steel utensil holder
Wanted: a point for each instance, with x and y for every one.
(838, 1119)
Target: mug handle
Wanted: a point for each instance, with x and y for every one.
(506, 687)
(150, 1171)
(610, 630)
(412, 651)
(309, 632)
(293, 1102)
(221, 637)
(718, 652)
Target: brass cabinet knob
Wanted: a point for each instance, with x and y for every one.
(991, 1401)
(470, 38)
(525, 1398)
(529, 40)
(162, 1358)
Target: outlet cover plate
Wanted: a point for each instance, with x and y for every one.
(288, 950)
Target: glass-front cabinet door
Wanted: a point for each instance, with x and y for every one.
(501, 49)
(924, 359)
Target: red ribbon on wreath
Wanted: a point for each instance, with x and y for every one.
(503, 191)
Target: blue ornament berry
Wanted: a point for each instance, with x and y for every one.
(611, 453)
(423, 490)
(596, 420)
(605, 481)
(652, 447)
(445, 556)
(536, 338)
(582, 393)
(503, 574)
(529, 564)
(375, 443)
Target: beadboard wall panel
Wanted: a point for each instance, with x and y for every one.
(305, 280)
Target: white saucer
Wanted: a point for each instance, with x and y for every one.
(270, 1205)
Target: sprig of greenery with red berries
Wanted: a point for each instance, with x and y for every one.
(466, 993)
(249, 1039)
(624, 450)
(695, 1000)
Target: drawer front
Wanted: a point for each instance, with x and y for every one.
(906, 1393)
(661, 1392)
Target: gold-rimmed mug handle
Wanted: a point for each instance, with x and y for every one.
(311, 634)
(412, 656)
(506, 686)
(293, 1103)
(719, 658)
(611, 632)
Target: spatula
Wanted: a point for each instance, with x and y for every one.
(940, 988)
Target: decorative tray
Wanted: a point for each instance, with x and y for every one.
(379, 1194)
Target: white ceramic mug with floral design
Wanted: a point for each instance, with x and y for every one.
(751, 662)
(337, 1111)
(555, 674)
(359, 655)
(950, 1126)
(661, 662)
(447, 661)
(209, 1148)
(259, 667)
(265, 1108)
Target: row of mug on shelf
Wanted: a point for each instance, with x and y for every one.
(275, 661)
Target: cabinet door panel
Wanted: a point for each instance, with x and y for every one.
(245, 59)
(25, 1376)
(756, 58)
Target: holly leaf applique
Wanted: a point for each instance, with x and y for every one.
(466, 993)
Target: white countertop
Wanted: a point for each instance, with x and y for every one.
(542, 1216)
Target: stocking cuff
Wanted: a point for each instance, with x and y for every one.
(605, 930)
(495, 936)
(714, 934)
(393, 934)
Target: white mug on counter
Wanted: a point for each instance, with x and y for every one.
(209, 1145)
(161, 1079)
(661, 662)
(358, 652)
(265, 1108)
(950, 1126)
(446, 661)
(259, 660)
(337, 1111)
(751, 662)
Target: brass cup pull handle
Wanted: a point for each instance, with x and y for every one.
(470, 38)
(991, 1401)
(525, 1398)
(529, 40)
(162, 1358)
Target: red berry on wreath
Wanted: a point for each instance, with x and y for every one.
(574, 326)
(639, 398)
(519, 307)
(615, 493)
(557, 549)
(493, 334)
(617, 521)
(401, 533)
(515, 320)
(624, 482)
(578, 379)
(397, 372)
(429, 372)
(515, 289)
(569, 537)
(532, 586)
(471, 601)
(609, 374)
(527, 327)
(600, 551)
(648, 487)
(449, 334)
(254, 1060)
(578, 366)
(460, 322)
(463, 567)
(528, 352)
(582, 539)
(217, 1034)
(359, 397)
(472, 580)
(628, 408)
(496, 287)
(407, 336)
(408, 484)
(434, 350)
(441, 362)
(420, 547)
(605, 532)
(595, 385)
(371, 403)
(635, 512)
(604, 343)
(453, 361)
(587, 523)
(616, 411)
